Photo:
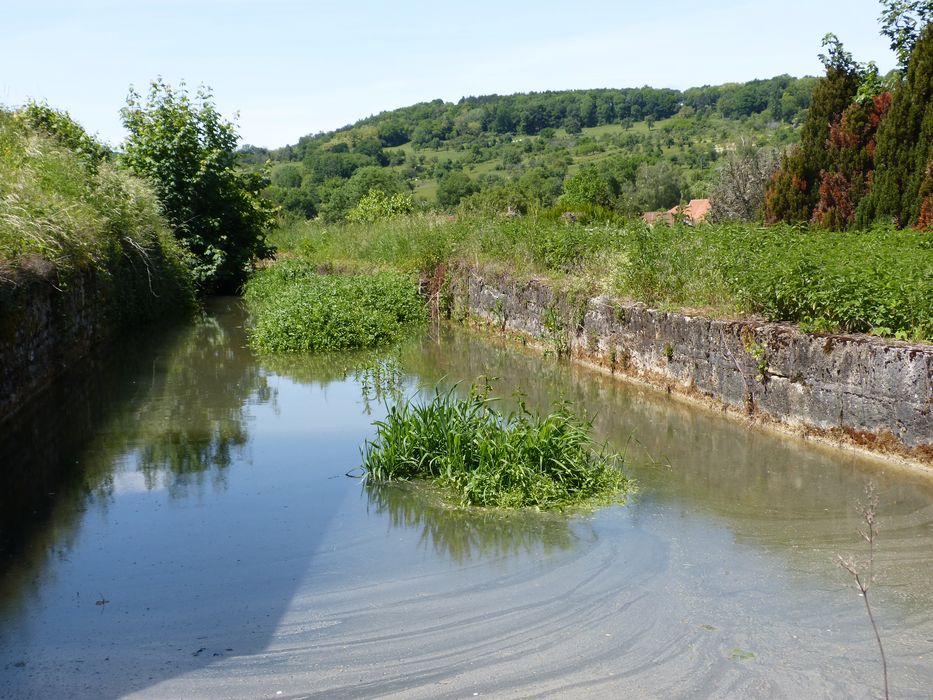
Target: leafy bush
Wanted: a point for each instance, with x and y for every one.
(487, 458)
(377, 205)
(295, 309)
(188, 152)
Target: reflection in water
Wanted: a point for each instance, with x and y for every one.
(195, 488)
(192, 424)
(464, 534)
(170, 405)
(378, 373)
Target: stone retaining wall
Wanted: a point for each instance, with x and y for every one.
(855, 389)
(44, 329)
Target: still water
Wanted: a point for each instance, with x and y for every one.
(177, 522)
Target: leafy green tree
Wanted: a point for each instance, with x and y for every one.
(903, 21)
(589, 187)
(339, 197)
(658, 186)
(188, 151)
(453, 187)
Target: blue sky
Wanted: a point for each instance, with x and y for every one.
(291, 68)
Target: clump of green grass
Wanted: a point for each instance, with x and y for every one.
(487, 458)
(67, 209)
(296, 309)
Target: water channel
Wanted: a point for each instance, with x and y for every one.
(177, 522)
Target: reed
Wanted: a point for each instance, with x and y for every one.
(484, 457)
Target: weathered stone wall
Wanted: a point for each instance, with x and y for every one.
(43, 329)
(862, 390)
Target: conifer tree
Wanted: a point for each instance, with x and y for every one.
(903, 184)
(794, 190)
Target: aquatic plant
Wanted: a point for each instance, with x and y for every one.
(484, 457)
(295, 309)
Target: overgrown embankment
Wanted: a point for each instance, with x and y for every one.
(878, 281)
(852, 390)
(83, 250)
(295, 308)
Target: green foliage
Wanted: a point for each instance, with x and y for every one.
(59, 126)
(794, 191)
(187, 150)
(902, 21)
(68, 210)
(453, 187)
(873, 281)
(588, 187)
(483, 457)
(377, 206)
(295, 309)
(878, 280)
(513, 153)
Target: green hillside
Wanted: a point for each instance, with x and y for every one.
(631, 150)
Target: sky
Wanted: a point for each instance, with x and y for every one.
(289, 68)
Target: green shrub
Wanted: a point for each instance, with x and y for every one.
(295, 309)
(487, 458)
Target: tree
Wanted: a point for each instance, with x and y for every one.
(902, 21)
(739, 194)
(794, 190)
(453, 187)
(904, 154)
(658, 186)
(589, 188)
(188, 151)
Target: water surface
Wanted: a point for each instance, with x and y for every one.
(178, 522)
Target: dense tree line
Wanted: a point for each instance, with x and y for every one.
(782, 98)
(533, 140)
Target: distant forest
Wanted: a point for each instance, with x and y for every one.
(653, 147)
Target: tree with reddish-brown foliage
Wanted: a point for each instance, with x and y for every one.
(850, 150)
(795, 189)
(903, 183)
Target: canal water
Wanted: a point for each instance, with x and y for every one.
(177, 521)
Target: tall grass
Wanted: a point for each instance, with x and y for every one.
(62, 212)
(295, 309)
(878, 281)
(487, 458)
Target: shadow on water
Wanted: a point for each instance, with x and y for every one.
(166, 412)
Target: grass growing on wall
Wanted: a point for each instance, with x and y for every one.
(65, 210)
(483, 457)
(295, 309)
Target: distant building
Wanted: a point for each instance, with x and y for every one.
(692, 214)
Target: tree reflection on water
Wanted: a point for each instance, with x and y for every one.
(193, 421)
